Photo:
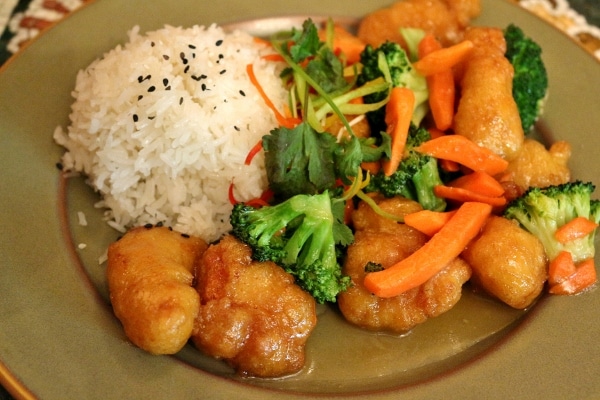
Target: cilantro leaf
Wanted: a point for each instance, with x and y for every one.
(327, 70)
(299, 160)
(306, 42)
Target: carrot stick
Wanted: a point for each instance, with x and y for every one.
(283, 121)
(427, 221)
(398, 114)
(443, 59)
(575, 229)
(433, 256)
(479, 182)
(465, 195)
(561, 268)
(350, 45)
(459, 149)
(442, 91)
(583, 278)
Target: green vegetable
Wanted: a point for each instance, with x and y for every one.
(303, 235)
(542, 211)
(415, 177)
(390, 61)
(530, 81)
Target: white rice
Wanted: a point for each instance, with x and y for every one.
(162, 125)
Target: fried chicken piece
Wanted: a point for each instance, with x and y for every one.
(539, 167)
(487, 113)
(252, 314)
(150, 279)
(383, 241)
(508, 262)
(446, 19)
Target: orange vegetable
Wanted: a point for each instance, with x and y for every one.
(444, 59)
(561, 268)
(398, 115)
(479, 182)
(583, 278)
(465, 195)
(350, 45)
(575, 229)
(281, 119)
(427, 221)
(459, 149)
(442, 91)
(433, 256)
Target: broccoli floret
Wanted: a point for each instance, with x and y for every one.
(542, 211)
(397, 67)
(416, 175)
(302, 235)
(530, 81)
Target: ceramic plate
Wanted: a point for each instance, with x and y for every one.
(59, 338)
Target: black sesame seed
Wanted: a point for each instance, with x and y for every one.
(242, 93)
(180, 100)
(166, 57)
(221, 56)
(185, 235)
(186, 69)
(171, 229)
(151, 89)
(236, 128)
(222, 71)
(151, 117)
(135, 118)
(203, 87)
(140, 97)
(182, 55)
(203, 76)
(165, 81)
(148, 226)
(191, 46)
(59, 166)
(152, 44)
(219, 42)
(168, 87)
(159, 224)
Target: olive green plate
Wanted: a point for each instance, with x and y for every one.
(59, 338)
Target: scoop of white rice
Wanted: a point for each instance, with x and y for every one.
(162, 125)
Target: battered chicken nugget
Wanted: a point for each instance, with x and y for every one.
(385, 242)
(150, 279)
(446, 19)
(539, 167)
(487, 113)
(508, 262)
(252, 314)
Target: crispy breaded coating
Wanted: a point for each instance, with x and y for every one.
(539, 167)
(508, 262)
(252, 314)
(446, 19)
(383, 241)
(487, 113)
(150, 279)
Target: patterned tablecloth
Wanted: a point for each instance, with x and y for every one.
(22, 20)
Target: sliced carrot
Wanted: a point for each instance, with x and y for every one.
(583, 278)
(433, 256)
(444, 59)
(459, 149)
(465, 195)
(350, 45)
(435, 132)
(561, 268)
(479, 182)
(442, 90)
(575, 229)
(398, 115)
(427, 221)
(371, 166)
(281, 119)
(273, 57)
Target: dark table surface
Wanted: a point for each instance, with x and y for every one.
(22, 20)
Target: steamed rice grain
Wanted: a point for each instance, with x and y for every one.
(161, 127)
